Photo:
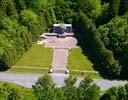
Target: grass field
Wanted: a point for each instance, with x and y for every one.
(36, 56)
(81, 74)
(20, 70)
(77, 60)
(28, 94)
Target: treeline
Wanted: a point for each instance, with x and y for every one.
(103, 23)
(104, 26)
(46, 89)
(114, 35)
(21, 23)
(93, 38)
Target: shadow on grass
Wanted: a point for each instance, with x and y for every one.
(86, 50)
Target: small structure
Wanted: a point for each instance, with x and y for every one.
(67, 28)
(62, 29)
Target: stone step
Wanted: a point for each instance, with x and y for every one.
(54, 75)
(59, 70)
(60, 58)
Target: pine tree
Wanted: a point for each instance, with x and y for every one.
(113, 8)
(123, 7)
(20, 5)
(3, 6)
(11, 10)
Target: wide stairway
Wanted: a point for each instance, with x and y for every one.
(61, 47)
(59, 61)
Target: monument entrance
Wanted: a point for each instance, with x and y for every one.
(61, 40)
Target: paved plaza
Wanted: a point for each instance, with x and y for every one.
(67, 42)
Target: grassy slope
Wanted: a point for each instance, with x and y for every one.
(77, 60)
(36, 56)
(81, 74)
(20, 70)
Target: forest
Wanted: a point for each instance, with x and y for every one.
(102, 23)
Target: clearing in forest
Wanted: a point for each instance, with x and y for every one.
(36, 56)
(78, 61)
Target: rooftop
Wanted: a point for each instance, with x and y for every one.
(62, 24)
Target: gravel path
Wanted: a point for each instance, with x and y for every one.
(27, 80)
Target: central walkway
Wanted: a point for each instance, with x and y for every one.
(61, 46)
(60, 58)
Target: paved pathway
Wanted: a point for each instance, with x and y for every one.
(60, 58)
(61, 47)
(27, 80)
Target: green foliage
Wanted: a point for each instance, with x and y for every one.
(115, 93)
(10, 92)
(113, 9)
(8, 9)
(45, 8)
(63, 10)
(115, 32)
(87, 90)
(104, 56)
(91, 8)
(102, 17)
(13, 44)
(20, 5)
(18, 37)
(69, 90)
(6, 58)
(11, 11)
(44, 88)
(28, 17)
(19, 28)
(123, 7)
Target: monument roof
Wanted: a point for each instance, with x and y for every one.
(62, 24)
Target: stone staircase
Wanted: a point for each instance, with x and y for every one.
(61, 47)
(59, 61)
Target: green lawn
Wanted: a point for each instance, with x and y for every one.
(28, 94)
(20, 70)
(36, 56)
(77, 60)
(81, 74)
